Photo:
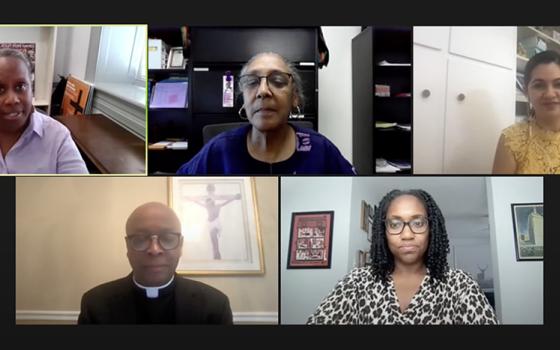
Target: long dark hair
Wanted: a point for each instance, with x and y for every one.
(383, 261)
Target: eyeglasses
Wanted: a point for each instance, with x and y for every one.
(396, 226)
(275, 80)
(141, 243)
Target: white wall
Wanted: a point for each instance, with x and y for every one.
(469, 241)
(303, 290)
(335, 89)
(518, 284)
(72, 51)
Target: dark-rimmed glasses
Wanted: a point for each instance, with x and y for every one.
(416, 225)
(276, 80)
(141, 243)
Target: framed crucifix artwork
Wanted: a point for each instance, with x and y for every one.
(220, 225)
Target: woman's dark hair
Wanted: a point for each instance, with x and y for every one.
(11, 53)
(383, 262)
(544, 57)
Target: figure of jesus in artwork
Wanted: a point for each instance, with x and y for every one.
(213, 207)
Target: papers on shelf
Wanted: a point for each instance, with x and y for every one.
(384, 125)
(393, 64)
(387, 125)
(159, 145)
(169, 145)
(403, 94)
(404, 127)
(391, 166)
(382, 166)
(401, 164)
(178, 145)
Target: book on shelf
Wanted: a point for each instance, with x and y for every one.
(170, 93)
(157, 54)
(78, 97)
(382, 90)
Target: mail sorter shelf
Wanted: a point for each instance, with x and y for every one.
(382, 84)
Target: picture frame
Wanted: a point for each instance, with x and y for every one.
(363, 258)
(220, 225)
(176, 60)
(311, 235)
(528, 229)
(363, 216)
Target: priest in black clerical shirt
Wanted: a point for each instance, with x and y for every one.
(153, 292)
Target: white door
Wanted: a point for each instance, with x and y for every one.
(496, 45)
(430, 71)
(480, 103)
(434, 37)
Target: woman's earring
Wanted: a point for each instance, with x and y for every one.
(241, 113)
(292, 115)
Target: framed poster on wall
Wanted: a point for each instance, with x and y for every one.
(311, 240)
(528, 229)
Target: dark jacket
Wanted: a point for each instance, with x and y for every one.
(114, 302)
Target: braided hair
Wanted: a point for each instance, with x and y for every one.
(435, 258)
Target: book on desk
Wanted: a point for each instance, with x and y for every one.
(78, 97)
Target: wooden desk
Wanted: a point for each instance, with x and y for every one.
(111, 148)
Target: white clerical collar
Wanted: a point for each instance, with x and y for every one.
(153, 292)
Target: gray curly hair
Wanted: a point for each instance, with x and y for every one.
(296, 77)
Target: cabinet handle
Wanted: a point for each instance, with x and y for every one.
(426, 93)
(461, 97)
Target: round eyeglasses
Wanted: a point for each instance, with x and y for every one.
(141, 243)
(275, 80)
(396, 226)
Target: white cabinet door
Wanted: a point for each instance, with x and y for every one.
(430, 67)
(434, 37)
(480, 103)
(496, 45)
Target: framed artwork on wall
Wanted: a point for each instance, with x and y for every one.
(528, 229)
(311, 240)
(220, 225)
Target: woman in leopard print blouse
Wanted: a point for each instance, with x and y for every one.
(409, 281)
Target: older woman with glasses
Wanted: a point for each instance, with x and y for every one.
(272, 91)
(409, 281)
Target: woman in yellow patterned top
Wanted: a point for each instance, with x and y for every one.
(533, 147)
